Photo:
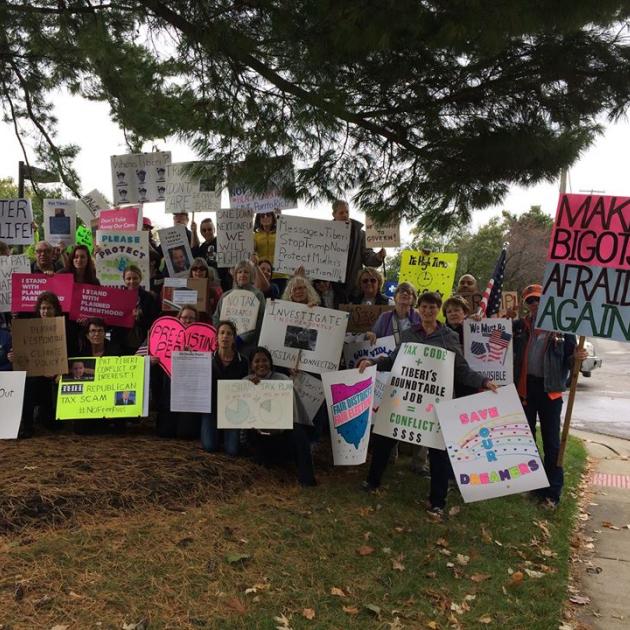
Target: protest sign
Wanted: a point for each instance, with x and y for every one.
(386, 235)
(472, 299)
(509, 303)
(191, 377)
(60, 219)
(321, 247)
(26, 288)
(354, 352)
(127, 219)
(243, 405)
(310, 391)
(83, 236)
(586, 286)
(113, 305)
(177, 292)
(117, 251)
(235, 236)
(363, 316)
(488, 348)
(103, 387)
(428, 271)
(241, 307)
(191, 193)
(349, 396)
(176, 250)
(89, 205)
(16, 221)
(140, 177)
(39, 346)
(302, 337)
(8, 266)
(270, 199)
(168, 334)
(420, 380)
(11, 401)
(490, 445)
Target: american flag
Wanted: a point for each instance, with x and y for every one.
(497, 343)
(479, 350)
(491, 298)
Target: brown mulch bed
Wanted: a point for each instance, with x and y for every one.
(50, 480)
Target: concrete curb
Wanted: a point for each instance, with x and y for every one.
(602, 565)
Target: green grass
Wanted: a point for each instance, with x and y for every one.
(171, 568)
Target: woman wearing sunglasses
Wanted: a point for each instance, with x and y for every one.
(368, 287)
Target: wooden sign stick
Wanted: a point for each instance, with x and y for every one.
(577, 364)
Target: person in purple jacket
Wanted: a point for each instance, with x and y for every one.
(403, 316)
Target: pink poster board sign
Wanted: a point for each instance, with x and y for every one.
(125, 219)
(113, 305)
(591, 230)
(26, 288)
(168, 335)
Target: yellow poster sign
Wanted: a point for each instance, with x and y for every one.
(428, 271)
(104, 387)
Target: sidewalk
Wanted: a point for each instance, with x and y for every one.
(604, 573)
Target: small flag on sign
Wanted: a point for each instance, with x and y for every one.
(479, 350)
(497, 343)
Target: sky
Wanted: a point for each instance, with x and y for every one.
(602, 168)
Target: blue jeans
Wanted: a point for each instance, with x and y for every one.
(211, 436)
(538, 404)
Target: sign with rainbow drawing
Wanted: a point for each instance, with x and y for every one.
(490, 445)
(349, 396)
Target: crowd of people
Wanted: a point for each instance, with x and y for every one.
(541, 359)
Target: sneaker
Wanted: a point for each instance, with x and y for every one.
(550, 504)
(436, 512)
(366, 486)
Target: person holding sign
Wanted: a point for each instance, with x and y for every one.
(227, 364)
(432, 333)
(145, 313)
(44, 259)
(403, 317)
(358, 252)
(542, 361)
(265, 225)
(243, 277)
(266, 444)
(40, 391)
(201, 271)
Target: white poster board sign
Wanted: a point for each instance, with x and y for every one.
(139, 177)
(241, 307)
(321, 247)
(243, 405)
(354, 352)
(117, 251)
(89, 205)
(310, 339)
(235, 236)
(188, 193)
(191, 375)
(488, 348)
(8, 266)
(176, 250)
(16, 221)
(60, 220)
(310, 391)
(490, 445)
(387, 235)
(11, 401)
(420, 380)
(349, 397)
(382, 378)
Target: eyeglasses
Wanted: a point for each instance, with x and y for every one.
(369, 281)
(532, 299)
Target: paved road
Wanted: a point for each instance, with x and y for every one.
(602, 402)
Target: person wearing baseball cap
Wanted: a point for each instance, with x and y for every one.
(542, 361)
